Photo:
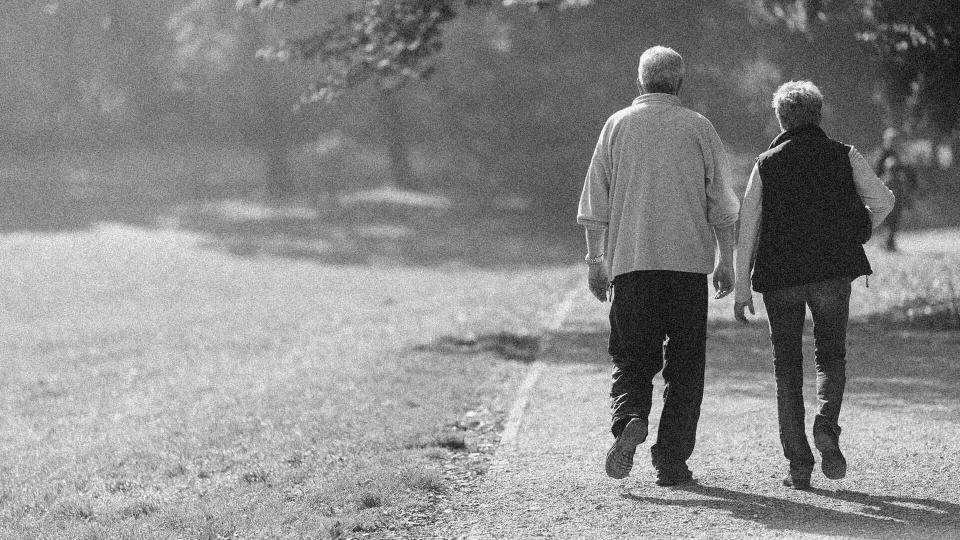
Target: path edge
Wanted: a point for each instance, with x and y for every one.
(512, 425)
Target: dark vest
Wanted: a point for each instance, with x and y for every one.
(813, 223)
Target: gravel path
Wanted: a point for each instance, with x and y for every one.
(901, 418)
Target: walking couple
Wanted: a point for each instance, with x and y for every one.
(657, 205)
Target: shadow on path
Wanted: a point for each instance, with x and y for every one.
(916, 365)
(881, 515)
(910, 510)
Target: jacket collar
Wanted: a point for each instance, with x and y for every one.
(806, 130)
(658, 98)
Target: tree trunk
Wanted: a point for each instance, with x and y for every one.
(277, 171)
(401, 171)
(271, 134)
(144, 80)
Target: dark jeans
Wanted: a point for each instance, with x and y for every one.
(658, 320)
(829, 303)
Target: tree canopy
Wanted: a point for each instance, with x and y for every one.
(915, 43)
(391, 41)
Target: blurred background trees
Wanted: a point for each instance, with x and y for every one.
(916, 47)
(144, 103)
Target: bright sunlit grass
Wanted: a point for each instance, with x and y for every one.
(919, 284)
(154, 388)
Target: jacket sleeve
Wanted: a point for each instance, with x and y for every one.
(749, 235)
(878, 199)
(594, 209)
(722, 203)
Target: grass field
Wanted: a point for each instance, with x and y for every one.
(919, 285)
(154, 387)
(160, 383)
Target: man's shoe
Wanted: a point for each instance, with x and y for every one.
(796, 483)
(666, 479)
(832, 462)
(620, 455)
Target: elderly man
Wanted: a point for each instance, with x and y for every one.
(657, 199)
(810, 203)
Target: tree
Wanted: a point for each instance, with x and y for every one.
(916, 44)
(389, 40)
(216, 67)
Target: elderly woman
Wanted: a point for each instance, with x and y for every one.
(810, 204)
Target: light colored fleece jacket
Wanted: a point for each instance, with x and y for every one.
(658, 182)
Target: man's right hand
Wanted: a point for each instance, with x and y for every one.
(738, 308)
(598, 281)
(724, 278)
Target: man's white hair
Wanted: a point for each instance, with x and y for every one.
(798, 103)
(661, 70)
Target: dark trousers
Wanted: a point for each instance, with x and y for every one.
(658, 320)
(829, 303)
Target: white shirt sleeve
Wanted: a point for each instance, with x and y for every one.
(749, 235)
(875, 196)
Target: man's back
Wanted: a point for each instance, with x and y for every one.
(658, 180)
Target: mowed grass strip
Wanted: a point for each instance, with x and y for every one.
(153, 388)
(918, 285)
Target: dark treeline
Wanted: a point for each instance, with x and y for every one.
(90, 87)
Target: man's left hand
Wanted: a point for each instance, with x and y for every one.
(723, 278)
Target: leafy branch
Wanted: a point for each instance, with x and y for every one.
(388, 41)
(916, 44)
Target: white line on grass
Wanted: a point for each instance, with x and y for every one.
(512, 427)
(515, 416)
(562, 311)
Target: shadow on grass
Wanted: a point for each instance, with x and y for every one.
(379, 234)
(522, 348)
(882, 516)
(56, 215)
(387, 235)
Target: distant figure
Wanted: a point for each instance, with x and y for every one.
(900, 177)
(657, 196)
(810, 204)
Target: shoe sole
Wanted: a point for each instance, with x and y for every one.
(633, 434)
(832, 462)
